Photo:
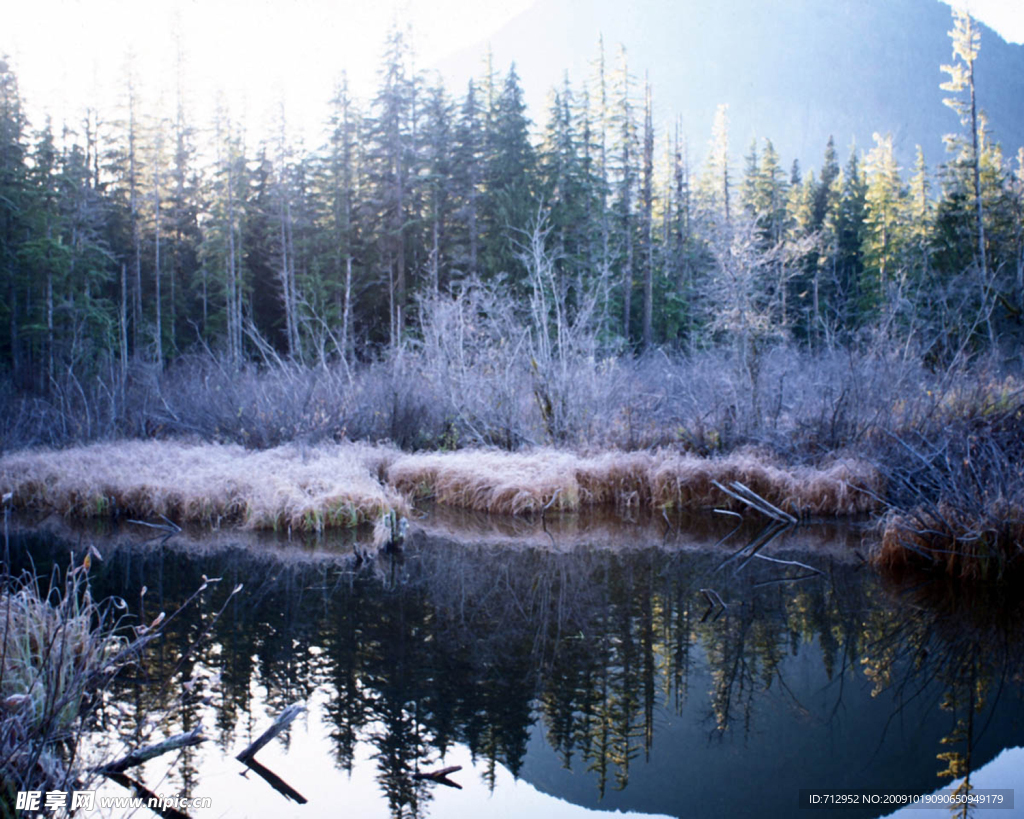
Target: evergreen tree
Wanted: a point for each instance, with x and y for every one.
(884, 229)
(829, 171)
(624, 168)
(966, 43)
(509, 205)
(919, 214)
(437, 137)
(392, 164)
(647, 216)
(467, 179)
(715, 182)
(340, 188)
(13, 198)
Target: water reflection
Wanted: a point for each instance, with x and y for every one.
(600, 677)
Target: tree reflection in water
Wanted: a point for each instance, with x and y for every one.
(603, 653)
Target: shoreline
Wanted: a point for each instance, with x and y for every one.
(348, 484)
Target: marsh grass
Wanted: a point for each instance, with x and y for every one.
(289, 487)
(956, 500)
(60, 651)
(969, 544)
(525, 483)
(56, 649)
(345, 485)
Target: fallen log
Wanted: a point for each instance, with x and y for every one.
(148, 752)
(284, 719)
(440, 776)
(276, 782)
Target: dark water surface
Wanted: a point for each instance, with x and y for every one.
(575, 681)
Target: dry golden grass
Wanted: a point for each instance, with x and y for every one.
(983, 545)
(520, 483)
(307, 489)
(313, 489)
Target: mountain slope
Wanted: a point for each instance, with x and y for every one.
(795, 71)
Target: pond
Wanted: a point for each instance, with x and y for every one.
(599, 674)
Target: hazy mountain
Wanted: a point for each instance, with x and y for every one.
(795, 71)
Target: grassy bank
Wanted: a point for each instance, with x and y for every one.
(506, 483)
(342, 485)
(210, 484)
(837, 432)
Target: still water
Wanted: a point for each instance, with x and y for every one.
(568, 679)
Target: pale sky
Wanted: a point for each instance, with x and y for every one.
(1004, 16)
(68, 53)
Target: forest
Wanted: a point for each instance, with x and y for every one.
(142, 240)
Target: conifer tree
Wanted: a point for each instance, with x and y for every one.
(467, 179)
(392, 160)
(623, 123)
(647, 216)
(341, 171)
(437, 140)
(715, 181)
(509, 204)
(884, 236)
(966, 43)
(13, 197)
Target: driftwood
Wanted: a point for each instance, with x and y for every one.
(441, 776)
(714, 599)
(276, 782)
(147, 752)
(168, 526)
(746, 496)
(284, 719)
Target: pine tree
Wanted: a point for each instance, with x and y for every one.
(966, 43)
(884, 237)
(13, 194)
(715, 181)
(391, 158)
(436, 137)
(647, 216)
(751, 177)
(184, 206)
(623, 124)
(508, 206)
(340, 184)
(467, 179)
(920, 212)
(849, 230)
(829, 171)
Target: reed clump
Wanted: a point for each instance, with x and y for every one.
(210, 484)
(344, 485)
(957, 495)
(985, 545)
(521, 483)
(54, 648)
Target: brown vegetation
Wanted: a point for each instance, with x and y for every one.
(518, 483)
(963, 545)
(957, 491)
(288, 486)
(346, 484)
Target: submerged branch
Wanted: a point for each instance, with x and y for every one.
(148, 752)
(284, 719)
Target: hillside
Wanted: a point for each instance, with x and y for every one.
(795, 71)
